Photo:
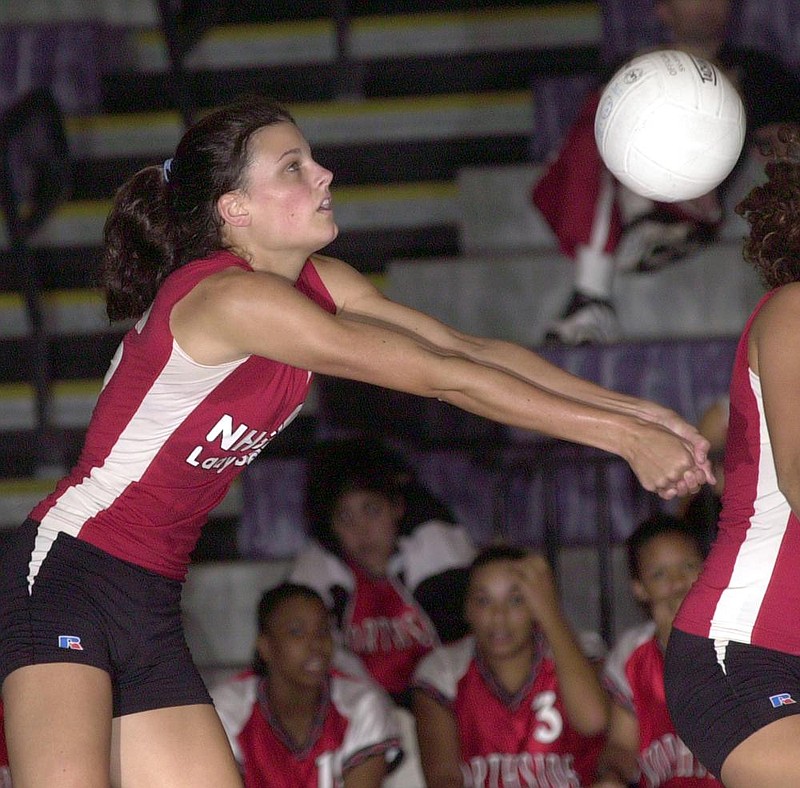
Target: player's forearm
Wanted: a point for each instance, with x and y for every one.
(536, 369)
(585, 701)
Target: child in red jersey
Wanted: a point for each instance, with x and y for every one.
(386, 557)
(294, 720)
(664, 559)
(518, 703)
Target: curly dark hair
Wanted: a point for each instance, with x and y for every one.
(771, 209)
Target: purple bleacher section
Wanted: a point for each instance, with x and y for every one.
(773, 26)
(500, 482)
(631, 25)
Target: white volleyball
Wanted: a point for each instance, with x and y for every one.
(670, 125)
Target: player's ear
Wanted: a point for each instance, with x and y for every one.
(232, 209)
(263, 647)
(639, 592)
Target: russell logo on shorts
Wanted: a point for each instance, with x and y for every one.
(782, 699)
(70, 641)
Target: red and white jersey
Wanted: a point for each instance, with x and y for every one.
(381, 621)
(5, 774)
(356, 721)
(749, 589)
(168, 435)
(509, 742)
(634, 672)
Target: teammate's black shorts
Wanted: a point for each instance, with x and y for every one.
(720, 693)
(86, 606)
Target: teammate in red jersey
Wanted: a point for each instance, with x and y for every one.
(664, 558)
(294, 720)
(732, 669)
(385, 556)
(213, 255)
(518, 703)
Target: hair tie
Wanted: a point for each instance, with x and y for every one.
(166, 168)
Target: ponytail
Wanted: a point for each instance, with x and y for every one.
(138, 253)
(166, 216)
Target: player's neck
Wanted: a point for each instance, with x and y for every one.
(291, 701)
(512, 672)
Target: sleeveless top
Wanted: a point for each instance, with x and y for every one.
(749, 589)
(168, 435)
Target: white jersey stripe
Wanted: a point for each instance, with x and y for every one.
(175, 393)
(739, 604)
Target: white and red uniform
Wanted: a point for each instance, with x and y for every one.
(355, 721)
(749, 589)
(634, 672)
(168, 436)
(524, 741)
(379, 618)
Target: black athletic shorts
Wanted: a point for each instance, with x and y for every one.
(719, 694)
(86, 606)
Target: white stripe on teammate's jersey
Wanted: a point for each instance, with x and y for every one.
(739, 605)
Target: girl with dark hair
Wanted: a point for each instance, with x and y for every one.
(733, 660)
(392, 571)
(518, 702)
(294, 720)
(665, 556)
(214, 255)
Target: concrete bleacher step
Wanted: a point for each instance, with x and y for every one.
(419, 207)
(516, 295)
(497, 215)
(73, 311)
(378, 37)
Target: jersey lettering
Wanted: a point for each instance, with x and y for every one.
(243, 438)
(526, 770)
(384, 635)
(669, 757)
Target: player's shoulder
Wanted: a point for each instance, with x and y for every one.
(631, 640)
(444, 667)
(236, 695)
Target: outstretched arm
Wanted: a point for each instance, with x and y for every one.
(359, 299)
(236, 313)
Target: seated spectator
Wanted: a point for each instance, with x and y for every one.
(518, 702)
(664, 558)
(296, 721)
(606, 228)
(386, 558)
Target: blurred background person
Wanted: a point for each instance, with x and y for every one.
(386, 557)
(604, 227)
(664, 558)
(518, 702)
(294, 720)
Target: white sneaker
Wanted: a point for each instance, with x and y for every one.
(650, 243)
(586, 321)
